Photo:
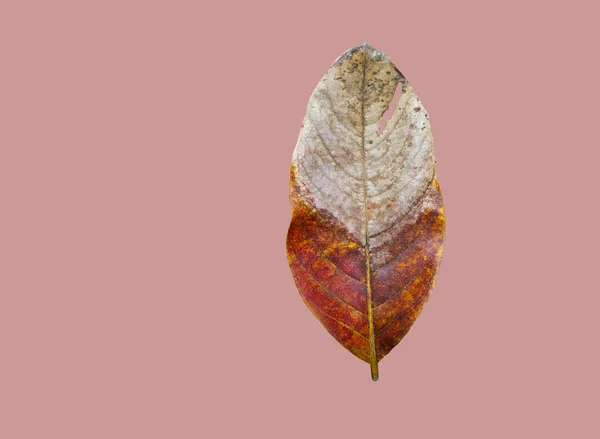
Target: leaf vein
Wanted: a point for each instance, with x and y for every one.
(323, 286)
(339, 322)
(398, 293)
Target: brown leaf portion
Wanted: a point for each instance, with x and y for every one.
(337, 297)
(366, 236)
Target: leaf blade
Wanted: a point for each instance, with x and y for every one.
(365, 204)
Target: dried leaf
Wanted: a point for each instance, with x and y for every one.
(367, 229)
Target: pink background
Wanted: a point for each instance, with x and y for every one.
(144, 287)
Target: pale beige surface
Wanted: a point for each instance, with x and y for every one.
(342, 160)
(144, 164)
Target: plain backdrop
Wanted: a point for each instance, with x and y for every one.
(144, 164)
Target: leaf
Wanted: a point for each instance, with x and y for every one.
(367, 230)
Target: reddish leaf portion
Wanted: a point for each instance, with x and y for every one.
(318, 247)
(329, 269)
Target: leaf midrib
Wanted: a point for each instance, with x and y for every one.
(372, 352)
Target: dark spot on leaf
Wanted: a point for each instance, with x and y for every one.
(417, 109)
(370, 141)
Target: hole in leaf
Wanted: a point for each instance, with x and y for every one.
(388, 113)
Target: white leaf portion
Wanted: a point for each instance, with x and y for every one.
(370, 182)
(400, 168)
